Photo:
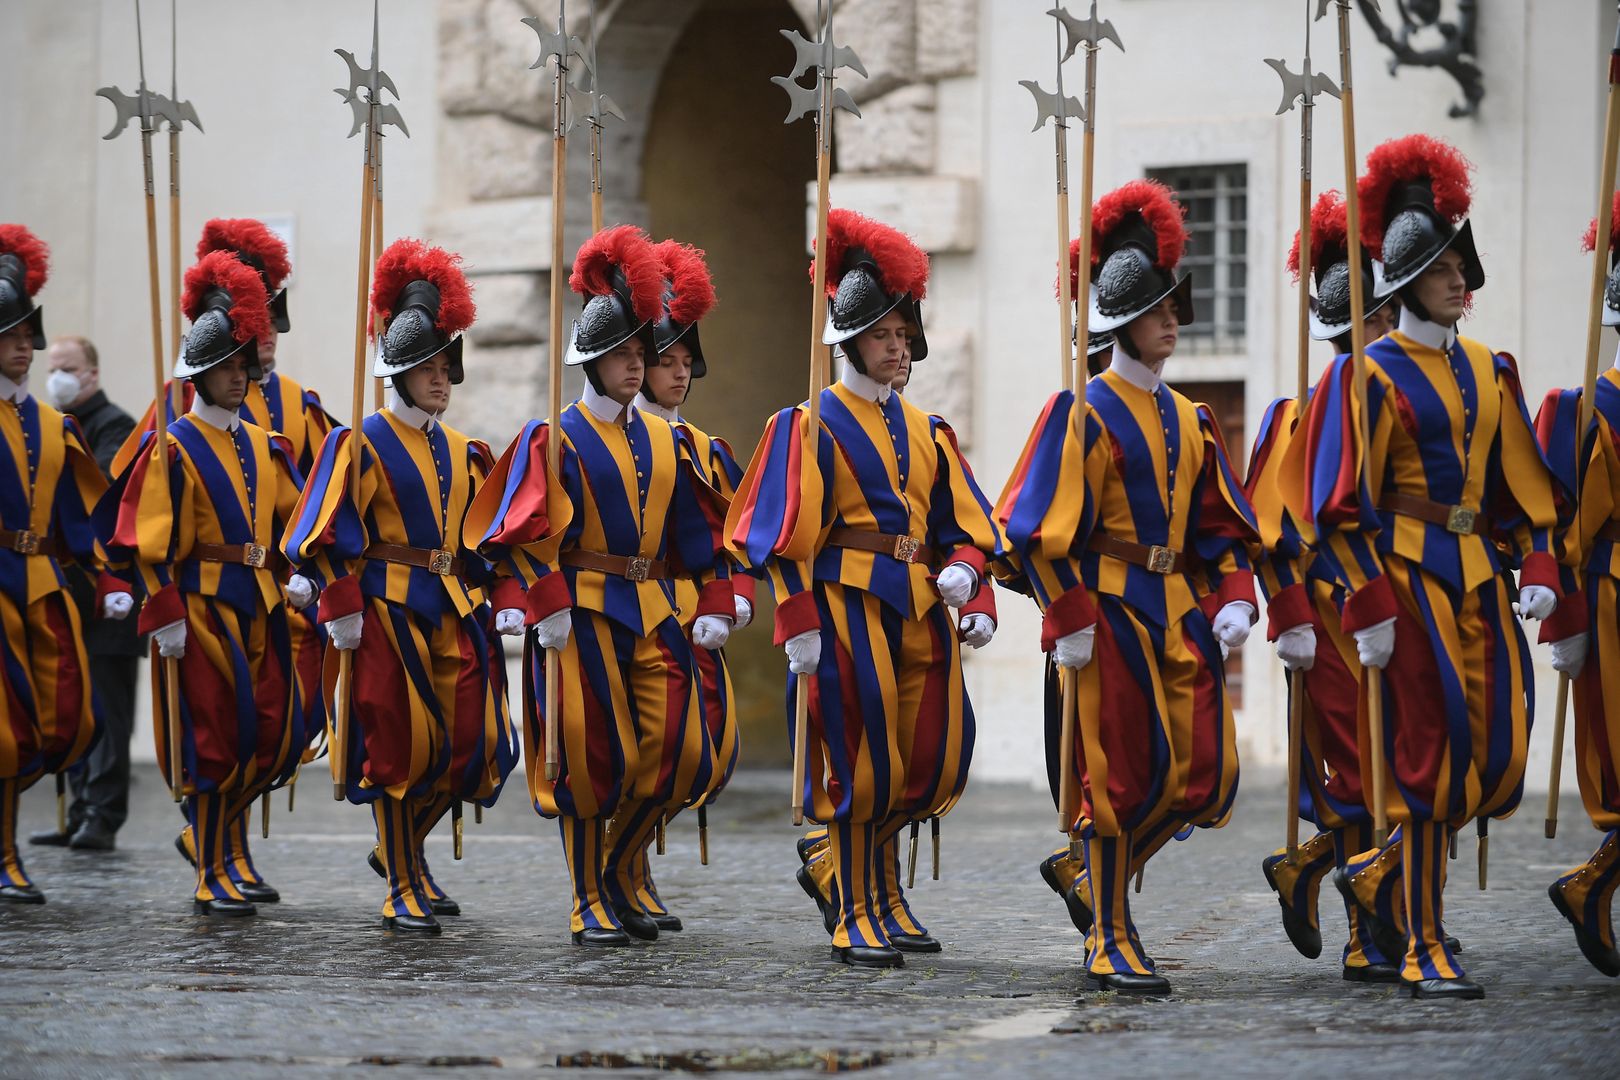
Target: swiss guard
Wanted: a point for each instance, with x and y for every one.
(199, 535)
(678, 361)
(1585, 631)
(601, 550)
(427, 701)
(869, 539)
(49, 482)
(1302, 610)
(1135, 544)
(1454, 496)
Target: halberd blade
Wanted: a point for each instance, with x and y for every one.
(801, 100)
(1049, 107)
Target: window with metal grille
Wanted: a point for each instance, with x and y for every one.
(1217, 202)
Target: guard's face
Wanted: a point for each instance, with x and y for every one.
(621, 371)
(227, 382)
(1441, 288)
(903, 376)
(17, 351)
(267, 350)
(1380, 322)
(882, 347)
(670, 379)
(1155, 333)
(428, 384)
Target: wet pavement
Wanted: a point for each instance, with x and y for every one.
(115, 976)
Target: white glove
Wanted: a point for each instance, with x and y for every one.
(711, 631)
(1232, 623)
(1536, 602)
(1296, 647)
(171, 639)
(957, 584)
(977, 629)
(1074, 650)
(804, 652)
(1569, 655)
(1376, 644)
(509, 621)
(117, 605)
(553, 630)
(300, 591)
(344, 630)
(745, 612)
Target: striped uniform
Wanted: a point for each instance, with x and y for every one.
(48, 483)
(429, 723)
(1155, 736)
(892, 729)
(632, 728)
(1448, 426)
(1592, 604)
(242, 719)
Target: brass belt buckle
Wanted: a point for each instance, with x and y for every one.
(1460, 520)
(906, 548)
(26, 543)
(254, 555)
(1161, 560)
(440, 561)
(637, 569)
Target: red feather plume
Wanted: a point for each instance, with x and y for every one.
(1589, 241)
(1158, 207)
(1329, 232)
(36, 257)
(690, 279)
(250, 305)
(625, 247)
(407, 260)
(252, 237)
(901, 264)
(1403, 160)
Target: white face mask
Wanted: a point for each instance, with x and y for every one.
(63, 388)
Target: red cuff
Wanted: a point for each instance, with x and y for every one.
(983, 602)
(107, 585)
(1540, 568)
(1290, 608)
(972, 556)
(162, 608)
(1070, 612)
(1369, 605)
(340, 598)
(794, 616)
(547, 596)
(715, 598)
(507, 594)
(744, 585)
(1568, 618)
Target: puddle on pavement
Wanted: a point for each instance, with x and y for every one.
(703, 1061)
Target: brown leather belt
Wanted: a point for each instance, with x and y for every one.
(1460, 520)
(1153, 557)
(631, 568)
(30, 543)
(441, 562)
(254, 555)
(908, 549)
(1610, 532)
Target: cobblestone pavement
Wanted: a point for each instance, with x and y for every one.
(115, 976)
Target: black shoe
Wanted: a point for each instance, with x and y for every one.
(803, 845)
(21, 894)
(829, 915)
(1306, 939)
(915, 942)
(180, 846)
(1453, 944)
(868, 956)
(1460, 989)
(601, 937)
(1599, 955)
(443, 905)
(413, 924)
(667, 923)
(1079, 911)
(260, 892)
(51, 839)
(93, 836)
(1373, 973)
(637, 923)
(1129, 982)
(1390, 941)
(225, 909)
(375, 862)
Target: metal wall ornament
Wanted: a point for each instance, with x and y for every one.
(1455, 54)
